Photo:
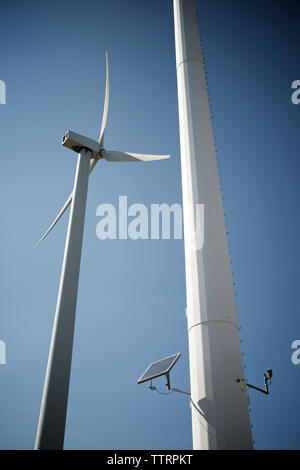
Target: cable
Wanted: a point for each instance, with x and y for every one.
(191, 400)
(213, 321)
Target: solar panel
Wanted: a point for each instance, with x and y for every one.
(158, 368)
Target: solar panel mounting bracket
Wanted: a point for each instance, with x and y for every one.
(173, 388)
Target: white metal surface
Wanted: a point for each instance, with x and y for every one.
(105, 109)
(220, 416)
(115, 156)
(51, 427)
(76, 142)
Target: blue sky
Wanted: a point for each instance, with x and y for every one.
(131, 300)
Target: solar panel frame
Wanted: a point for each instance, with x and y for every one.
(145, 377)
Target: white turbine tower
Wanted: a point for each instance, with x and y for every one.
(51, 427)
(220, 416)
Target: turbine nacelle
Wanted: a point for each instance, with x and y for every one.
(76, 142)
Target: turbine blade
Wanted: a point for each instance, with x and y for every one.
(106, 99)
(61, 212)
(113, 156)
(93, 163)
(65, 207)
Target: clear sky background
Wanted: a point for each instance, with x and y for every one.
(131, 301)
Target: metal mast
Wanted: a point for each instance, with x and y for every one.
(220, 416)
(51, 427)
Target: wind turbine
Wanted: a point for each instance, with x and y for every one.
(51, 426)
